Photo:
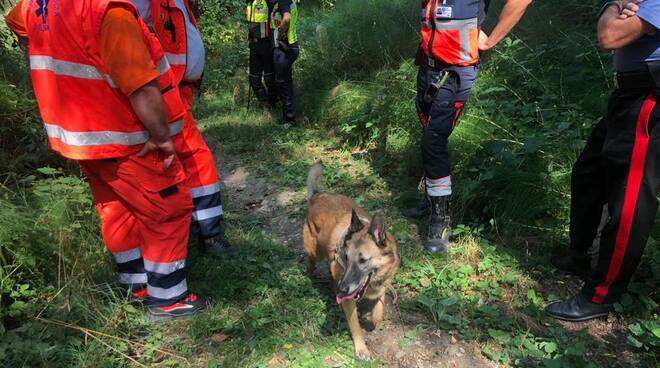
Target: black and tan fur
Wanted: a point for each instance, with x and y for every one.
(358, 249)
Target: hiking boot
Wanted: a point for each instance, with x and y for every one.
(418, 211)
(439, 229)
(218, 246)
(183, 309)
(569, 264)
(577, 309)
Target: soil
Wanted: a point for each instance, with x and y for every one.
(399, 341)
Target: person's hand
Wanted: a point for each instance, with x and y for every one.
(165, 147)
(630, 9)
(483, 42)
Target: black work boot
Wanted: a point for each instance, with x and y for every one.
(218, 246)
(439, 230)
(418, 211)
(577, 309)
(570, 264)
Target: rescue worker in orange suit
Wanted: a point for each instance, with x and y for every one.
(619, 168)
(107, 98)
(174, 24)
(448, 60)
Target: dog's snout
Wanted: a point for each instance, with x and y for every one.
(343, 288)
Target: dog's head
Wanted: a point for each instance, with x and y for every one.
(367, 255)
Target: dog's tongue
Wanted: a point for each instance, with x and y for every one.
(341, 298)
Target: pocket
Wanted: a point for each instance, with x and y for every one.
(150, 173)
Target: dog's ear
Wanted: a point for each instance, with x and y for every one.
(356, 223)
(377, 230)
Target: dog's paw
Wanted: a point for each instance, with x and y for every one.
(363, 353)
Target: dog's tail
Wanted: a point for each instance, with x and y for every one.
(314, 179)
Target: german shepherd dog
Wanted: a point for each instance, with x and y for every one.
(362, 254)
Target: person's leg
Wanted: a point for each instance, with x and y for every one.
(632, 165)
(423, 108)
(160, 200)
(587, 201)
(266, 55)
(201, 170)
(121, 236)
(256, 71)
(444, 113)
(283, 63)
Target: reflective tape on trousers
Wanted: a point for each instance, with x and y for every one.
(169, 293)
(164, 268)
(87, 139)
(209, 213)
(127, 256)
(132, 278)
(205, 190)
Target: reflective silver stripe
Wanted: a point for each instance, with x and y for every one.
(68, 68)
(456, 24)
(104, 137)
(127, 256)
(169, 293)
(438, 187)
(261, 11)
(164, 268)
(132, 278)
(208, 213)
(163, 65)
(176, 59)
(205, 190)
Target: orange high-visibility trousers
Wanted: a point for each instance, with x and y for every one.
(200, 166)
(145, 214)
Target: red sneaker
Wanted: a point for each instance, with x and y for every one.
(140, 294)
(183, 309)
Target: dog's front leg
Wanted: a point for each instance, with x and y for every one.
(378, 311)
(350, 310)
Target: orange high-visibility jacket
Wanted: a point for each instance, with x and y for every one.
(169, 24)
(450, 31)
(85, 115)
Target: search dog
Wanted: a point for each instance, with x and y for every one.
(362, 254)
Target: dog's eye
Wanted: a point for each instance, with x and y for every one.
(362, 260)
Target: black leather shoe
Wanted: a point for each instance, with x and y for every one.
(420, 210)
(219, 247)
(577, 309)
(567, 263)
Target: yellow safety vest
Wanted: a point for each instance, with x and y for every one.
(257, 14)
(276, 19)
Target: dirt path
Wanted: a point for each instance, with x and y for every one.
(404, 340)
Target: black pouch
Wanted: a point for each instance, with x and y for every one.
(432, 89)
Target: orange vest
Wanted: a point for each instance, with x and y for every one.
(169, 24)
(450, 31)
(85, 115)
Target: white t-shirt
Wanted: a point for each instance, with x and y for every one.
(195, 52)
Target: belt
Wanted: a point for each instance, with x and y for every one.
(435, 64)
(634, 80)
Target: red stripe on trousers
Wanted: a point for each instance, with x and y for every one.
(635, 176)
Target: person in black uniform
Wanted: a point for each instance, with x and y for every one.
(258, 14)
(284, 19)
(619, 169)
